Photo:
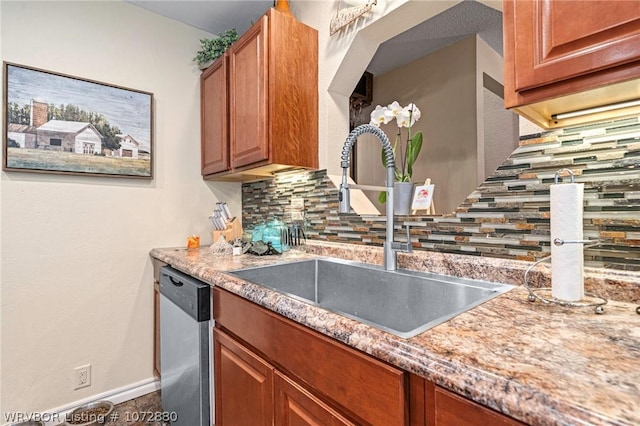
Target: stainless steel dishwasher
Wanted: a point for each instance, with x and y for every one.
(185, 310)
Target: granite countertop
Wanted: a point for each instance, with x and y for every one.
(541, 364)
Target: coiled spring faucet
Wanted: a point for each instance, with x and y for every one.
(390, 247)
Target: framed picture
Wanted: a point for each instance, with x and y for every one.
(423, 198)
(57, 123)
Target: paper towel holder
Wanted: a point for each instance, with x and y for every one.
(557, 175)
(560, 242)
(598, 302)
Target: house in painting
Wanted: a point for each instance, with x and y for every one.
(21, 136)
(129, 147)
(70, 136)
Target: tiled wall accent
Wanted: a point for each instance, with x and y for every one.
(508, 215)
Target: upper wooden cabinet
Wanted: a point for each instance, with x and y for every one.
(260, 102)
(214, 108)
(248, 109)
(563, 55)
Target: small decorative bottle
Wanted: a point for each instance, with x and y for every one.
(283, 6)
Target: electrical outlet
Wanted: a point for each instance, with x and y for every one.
(297, 203)
(297, 209)
(82, 376)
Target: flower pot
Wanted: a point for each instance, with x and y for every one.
(402, 197)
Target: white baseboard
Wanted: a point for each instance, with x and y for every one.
(116, 396)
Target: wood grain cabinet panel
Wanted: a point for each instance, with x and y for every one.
(366, 390)
(243, 384)
(295, 406)
(262, 358)
(157, 264)
(557, 40)
(214, 122)
(271, 94)
(554, 48)
(454, 410)
(248, 90)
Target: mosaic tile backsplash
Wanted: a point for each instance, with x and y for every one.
(508, 215)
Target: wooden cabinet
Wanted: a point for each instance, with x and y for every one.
(251, 392)
(243, 384)
(260, 102)
(555, 48)
(271, 370)
(325, 379)
(248, 96)
(295, 406)
(157, 264)
(214, 109)
(453, 410)
(432, 405)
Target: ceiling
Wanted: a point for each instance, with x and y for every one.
(466, 18)
(214, 16)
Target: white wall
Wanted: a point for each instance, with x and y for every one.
(76, 278)
(497, 131)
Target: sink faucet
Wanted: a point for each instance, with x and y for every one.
(390, 247)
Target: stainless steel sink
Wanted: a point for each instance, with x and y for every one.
(402, 302)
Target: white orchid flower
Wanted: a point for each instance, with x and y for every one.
(393, 110)
(403, 119)
(411, 114)
(379, 116)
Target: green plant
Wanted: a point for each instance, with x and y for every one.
(213, 48)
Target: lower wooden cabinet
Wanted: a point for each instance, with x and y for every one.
(452, 409)
(295, 406)
(250, 391)
(156, 316)
(344, 384)
(432, 405)
(270, 370)
(243, 384)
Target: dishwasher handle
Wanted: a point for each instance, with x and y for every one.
(175, 282)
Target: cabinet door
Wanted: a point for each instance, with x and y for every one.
(243, 384)
(556, 40)
(214, 121)
(157, 264)
(156, 329)
(294, 406)
(445, 408)
(248, 96)
(367, 390)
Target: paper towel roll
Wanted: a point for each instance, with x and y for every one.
(567, 260)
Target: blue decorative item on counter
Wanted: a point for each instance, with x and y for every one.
(257, 233)
(273, 234)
